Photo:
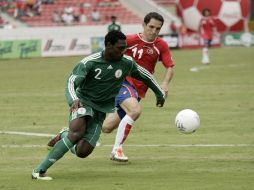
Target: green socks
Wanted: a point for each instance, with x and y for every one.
(73, 149)
(55, 154)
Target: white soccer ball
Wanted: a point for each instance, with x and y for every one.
(187, 121)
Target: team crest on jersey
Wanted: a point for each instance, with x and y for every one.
(81, 111)
(149, 50)
(118, 73)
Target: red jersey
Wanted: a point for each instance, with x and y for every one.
(147, 54)
(206, 28)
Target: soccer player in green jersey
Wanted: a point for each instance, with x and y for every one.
(114, 25)
(90, 91)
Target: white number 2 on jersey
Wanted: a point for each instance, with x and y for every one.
(137, 52)
(98, 71)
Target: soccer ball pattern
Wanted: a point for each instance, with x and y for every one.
(187, 121)
(229, 15)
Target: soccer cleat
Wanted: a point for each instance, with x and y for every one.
(40, 176)
(57, 138)
(118, 155)
(98, 144)
(205, 60)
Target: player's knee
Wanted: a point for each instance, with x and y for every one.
(77, 129)
(74, 136)
(107, 128)
(83, 149)
(135, 113)
(82, 154)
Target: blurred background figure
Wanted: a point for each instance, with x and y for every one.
(20, 9)
(95, 15)
(173, 28)
(56, 16)
(206, 28)
(114, 25)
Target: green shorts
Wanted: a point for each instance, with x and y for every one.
(93, 125)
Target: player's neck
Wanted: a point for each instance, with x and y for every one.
(145, 38)
(105, 55)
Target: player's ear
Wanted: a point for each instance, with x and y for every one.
(108, 44)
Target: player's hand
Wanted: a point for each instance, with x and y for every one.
(75, 105)
(160, 102)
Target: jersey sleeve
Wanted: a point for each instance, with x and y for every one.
(165, 55)
(75, 79)
(142, 74)
(130, 39)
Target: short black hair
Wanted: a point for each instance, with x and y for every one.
(113, 17)
(153, 15)
(113, 36)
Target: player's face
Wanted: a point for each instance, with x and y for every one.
(151, 30)
(116, 51)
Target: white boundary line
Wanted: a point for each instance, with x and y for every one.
(139, 145)
(26, 134)
(107, 145)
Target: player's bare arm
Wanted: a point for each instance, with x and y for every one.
(167, 78)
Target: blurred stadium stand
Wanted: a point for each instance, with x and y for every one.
(124, 15)
(127, 11)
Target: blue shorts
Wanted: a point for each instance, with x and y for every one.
(126, 91)
(208, 42)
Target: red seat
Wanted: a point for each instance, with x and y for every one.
(124, 15)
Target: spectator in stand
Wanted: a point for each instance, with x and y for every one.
(206, 29)
(56, 16)
(114, 25)
(68, 9)
(79, 14)
(29, 7)
(82, 13)
(67, 16)
(37, 8)
(20, 9)
(96, 16)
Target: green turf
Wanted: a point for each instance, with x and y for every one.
(32, 100)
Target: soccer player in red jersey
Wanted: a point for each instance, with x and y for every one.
(207, 27)
(146, 48)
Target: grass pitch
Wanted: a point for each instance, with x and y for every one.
(220, 155)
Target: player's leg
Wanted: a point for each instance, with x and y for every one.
(77, 128)
(86, 145)
(205, 54)
(111, 122)
(129, 111)
(63, 133)
(133, 110)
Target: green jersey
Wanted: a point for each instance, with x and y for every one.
(96, 82)
(114, 26)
